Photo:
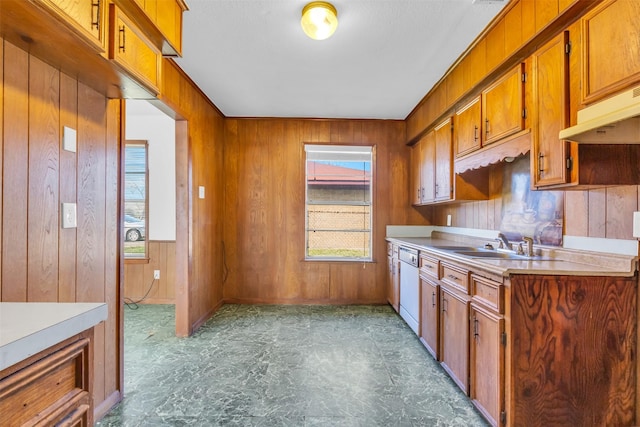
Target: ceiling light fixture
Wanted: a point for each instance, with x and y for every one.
(319, 20)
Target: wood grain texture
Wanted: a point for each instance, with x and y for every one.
(91, 216)
(15, 173)
(67, 236)
(621, 202)
(199, 161)
(1, 147)
(138, 277)
(574, 341)
(264, 209)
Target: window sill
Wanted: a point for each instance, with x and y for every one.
(356, 261)
(136, 260)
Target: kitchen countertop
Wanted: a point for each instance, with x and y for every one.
(555, 261)
(27, 328)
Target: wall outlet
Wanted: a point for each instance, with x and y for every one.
(448, 220)
(69, 215)
(156, 274)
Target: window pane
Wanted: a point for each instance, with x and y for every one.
(135, 200)
(338, 202)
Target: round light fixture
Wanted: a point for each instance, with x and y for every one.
(319, 20)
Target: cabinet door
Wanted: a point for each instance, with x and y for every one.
(550, 112)
(611, 48)
(427, 167)
(169, 21)
(467, 128)
(503, 106)
(486, 387)
(415, 189)
(132, 52)
(429, 315)
(443, 161)
(84, 16)
(454, 336)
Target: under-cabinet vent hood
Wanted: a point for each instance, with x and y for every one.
(615, 120)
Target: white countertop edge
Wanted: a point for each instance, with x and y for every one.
(43, 325)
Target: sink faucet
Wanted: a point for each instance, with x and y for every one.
(503, 242)
(529, 242)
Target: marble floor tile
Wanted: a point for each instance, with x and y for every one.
(253, 365)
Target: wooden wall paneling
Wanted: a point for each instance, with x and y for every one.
(513, 29)
(528, 19)
(546, 11)
(113, 338)
(15, 174)
(563, 4)
(1, 147)
(91, 217)
(576, 213)
(183, 227)
(43, 197)
(67, 239)
(495, 45)
(597, 213)
(231, 199)
(621, 202)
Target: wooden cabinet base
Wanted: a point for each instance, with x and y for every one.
(51, 388)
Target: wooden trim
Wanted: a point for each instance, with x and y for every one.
(299, 301)
(109, 402)
(136, 260)
(184, 217)
(206, 316)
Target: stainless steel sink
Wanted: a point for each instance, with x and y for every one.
(455, 248)
(478, 253)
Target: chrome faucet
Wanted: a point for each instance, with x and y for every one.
(503, 242)
(529, 242)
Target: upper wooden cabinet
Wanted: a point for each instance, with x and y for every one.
(610, 48)
(503, 106)
(550, 112)
(468, 128)
(131, 51)
(443, 160)
(84, 17)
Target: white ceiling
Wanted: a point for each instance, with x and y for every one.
(251, 58)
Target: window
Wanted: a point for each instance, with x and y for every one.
(338, 202)
(135, 199)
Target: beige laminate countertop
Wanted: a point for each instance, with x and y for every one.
(555, 261)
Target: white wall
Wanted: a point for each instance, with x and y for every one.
(146, 122)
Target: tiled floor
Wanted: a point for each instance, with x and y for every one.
(284, 366)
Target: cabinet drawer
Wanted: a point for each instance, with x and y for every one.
(455, 276)
(488, 293)
(429, 266)
(48, 390)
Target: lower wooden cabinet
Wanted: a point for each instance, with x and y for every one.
(51, 388)
(393, 277)
(454, 335)
(486, 351)
(430, 315)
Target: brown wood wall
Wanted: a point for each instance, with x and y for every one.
(199, 162)
(264, 210)
(138, 277)
(40, 261)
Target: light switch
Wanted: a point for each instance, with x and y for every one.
(69, 138)
(69, 217)
(201, 192)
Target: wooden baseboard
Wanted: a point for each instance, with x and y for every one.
(273, 301)
(152, 301)
(206, 316)
(105, 406)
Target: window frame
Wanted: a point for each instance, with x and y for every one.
(372, 201)
(128, 259)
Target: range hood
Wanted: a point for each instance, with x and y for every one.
(615, 120)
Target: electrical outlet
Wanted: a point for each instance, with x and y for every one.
(448, 220)
(156, 274)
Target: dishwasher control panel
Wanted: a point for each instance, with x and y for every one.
(408, 255)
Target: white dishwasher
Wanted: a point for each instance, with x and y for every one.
(409, 288)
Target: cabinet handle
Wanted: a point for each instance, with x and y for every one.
(452, 277)
(540, 163)
(475, 132)
(433, 299)
(419, 194)
(476, 334)
(486, 126)
(445, 303)
(95, 24)
(121, 39)
(436, 189)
